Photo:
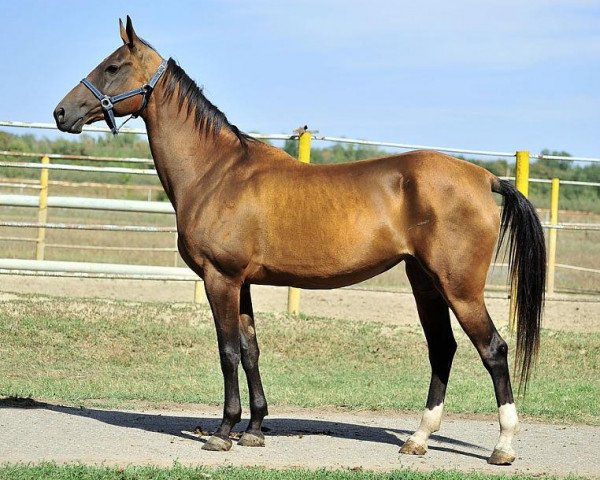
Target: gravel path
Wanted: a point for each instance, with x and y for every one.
(296, 438)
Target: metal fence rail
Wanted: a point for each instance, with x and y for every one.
(90, 226)
(78, 168)
(12, 266)
(562, 182)
(89, 203)
(270, 136)
(8, 153)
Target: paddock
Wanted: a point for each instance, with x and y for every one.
(66, 247)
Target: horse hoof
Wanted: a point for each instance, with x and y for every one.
(252, 440)
(217, 444)
(500, 457)
(411, 447)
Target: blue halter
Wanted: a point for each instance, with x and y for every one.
(107, 102)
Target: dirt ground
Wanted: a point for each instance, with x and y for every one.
(298, 438)
(563, 312)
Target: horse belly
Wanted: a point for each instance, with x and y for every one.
(327, 256)
(320, 278)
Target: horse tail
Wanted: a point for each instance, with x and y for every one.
(527, 272)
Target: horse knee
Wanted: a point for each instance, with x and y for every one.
(230, 358)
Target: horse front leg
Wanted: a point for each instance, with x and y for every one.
(224, 297)
(253, 436)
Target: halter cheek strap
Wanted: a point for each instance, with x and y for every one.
(107, 102)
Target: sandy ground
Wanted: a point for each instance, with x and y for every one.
(298, 438)
(564, 312)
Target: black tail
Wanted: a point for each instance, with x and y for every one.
(527, 264)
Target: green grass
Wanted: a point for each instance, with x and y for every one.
(51, 471)
(100, 353)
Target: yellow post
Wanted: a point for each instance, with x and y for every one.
(554, 194)
(43, 210)
(199, 293)
(522, 172)
(522, 183)
(304, 139)
(176, 254)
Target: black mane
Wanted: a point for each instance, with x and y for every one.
(207, 117)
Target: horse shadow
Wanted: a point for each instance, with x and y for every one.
(199, 428)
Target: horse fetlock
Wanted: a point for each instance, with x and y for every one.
(232, 415)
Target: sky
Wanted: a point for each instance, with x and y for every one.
(495, 75)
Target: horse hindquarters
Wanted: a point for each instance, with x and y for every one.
(456, 253)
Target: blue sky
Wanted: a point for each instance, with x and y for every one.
(497, 75)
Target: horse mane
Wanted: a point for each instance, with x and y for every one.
(207, 117)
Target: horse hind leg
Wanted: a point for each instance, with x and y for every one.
(493, 350)
(465, 297)
(435, 319)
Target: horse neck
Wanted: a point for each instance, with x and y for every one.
(183, 153)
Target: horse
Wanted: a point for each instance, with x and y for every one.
(248, 213)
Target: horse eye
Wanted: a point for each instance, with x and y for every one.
(112, 69)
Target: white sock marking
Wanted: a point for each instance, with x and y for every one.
(430, 422)
(509, 424)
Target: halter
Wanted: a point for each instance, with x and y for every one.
(107, 102)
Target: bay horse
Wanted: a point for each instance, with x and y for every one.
(248, 213)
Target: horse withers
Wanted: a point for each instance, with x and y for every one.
(248, 213)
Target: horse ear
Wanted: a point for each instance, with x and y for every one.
(123, 32)
(128, 34)
(131, 35)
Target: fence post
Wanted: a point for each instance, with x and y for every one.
(522, 183)
(304, 139)
(522, 172)
(176, 254)
(554, 195)
(43, 211)
(199, 293)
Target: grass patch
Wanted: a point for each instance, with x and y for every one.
(110, 354)
(71, 472)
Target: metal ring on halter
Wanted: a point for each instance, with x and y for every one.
(106, 103)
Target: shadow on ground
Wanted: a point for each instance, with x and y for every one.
(195, 428)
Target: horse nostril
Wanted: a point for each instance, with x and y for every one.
(59, 115)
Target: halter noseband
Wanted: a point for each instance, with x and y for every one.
(107, 102)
